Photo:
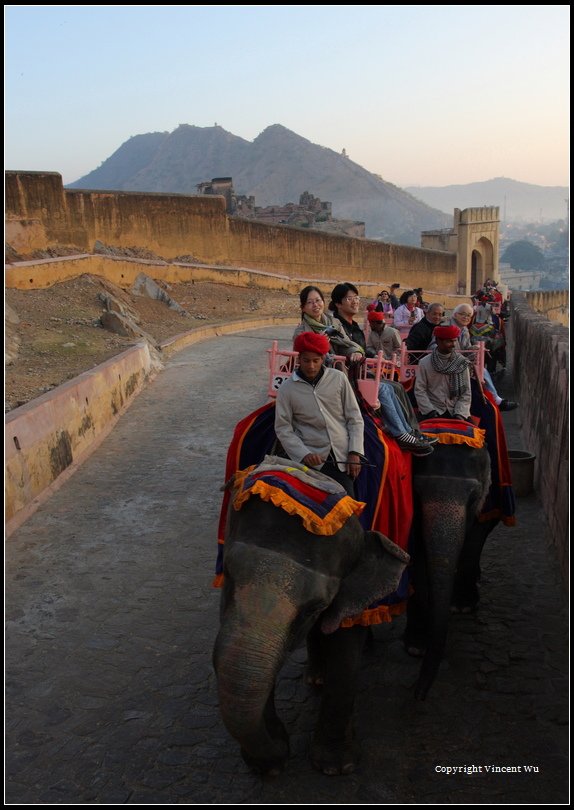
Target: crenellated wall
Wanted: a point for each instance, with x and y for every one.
(40, 213)
(554, 304)
(541, 379)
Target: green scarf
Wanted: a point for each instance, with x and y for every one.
(315, 325)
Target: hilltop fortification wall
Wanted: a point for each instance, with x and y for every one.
(41, 214)
(540, 351)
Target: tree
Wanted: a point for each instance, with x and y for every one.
(523, 255)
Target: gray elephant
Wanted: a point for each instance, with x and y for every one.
(450, 488)
(283, 585)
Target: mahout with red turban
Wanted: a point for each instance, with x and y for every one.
(312, 342)
(446, 332)
(375, 317)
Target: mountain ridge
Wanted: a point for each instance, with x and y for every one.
(279, 165)
(518, 201)
(275, 168)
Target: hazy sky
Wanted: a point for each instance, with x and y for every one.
(422, 95)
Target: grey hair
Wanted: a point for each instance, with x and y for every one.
(460, 307)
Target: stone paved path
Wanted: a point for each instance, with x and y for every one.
(111, 618)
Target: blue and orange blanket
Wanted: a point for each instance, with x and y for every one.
(322, 504)
(500, 503)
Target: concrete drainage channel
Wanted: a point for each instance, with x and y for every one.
(47, 439)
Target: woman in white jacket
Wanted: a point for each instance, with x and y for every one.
(408, 313)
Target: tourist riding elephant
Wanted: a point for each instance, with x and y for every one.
(449, 488)
(283, 584)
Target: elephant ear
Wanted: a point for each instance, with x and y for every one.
(376, 574)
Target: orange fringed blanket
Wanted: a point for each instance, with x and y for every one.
(454, 431)
(321, 503)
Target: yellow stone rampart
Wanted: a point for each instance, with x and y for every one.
(40, 214)
(554, 304)
(41, 273)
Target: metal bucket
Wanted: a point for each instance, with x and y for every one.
(522, 471)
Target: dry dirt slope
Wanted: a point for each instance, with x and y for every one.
(54, 334)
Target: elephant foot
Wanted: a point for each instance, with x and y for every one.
(335, 759)
(314, 676)
(265, 767)
(268, 754)
(414, 643)
(414, 650)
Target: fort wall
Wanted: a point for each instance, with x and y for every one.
(540, 372)
(553, 304)
(41, 214)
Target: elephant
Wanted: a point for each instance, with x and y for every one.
(450, 488)
(279, 588)
(284, 585)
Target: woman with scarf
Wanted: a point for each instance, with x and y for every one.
(442, 385)
(314, 318)
(408, 313)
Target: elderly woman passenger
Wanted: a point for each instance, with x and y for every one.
(462, 317)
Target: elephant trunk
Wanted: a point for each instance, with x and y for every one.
(444, 532)
(249, 651)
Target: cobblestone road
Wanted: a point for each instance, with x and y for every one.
(111, 618)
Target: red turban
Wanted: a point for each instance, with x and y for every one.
(375, 316)
(312, 342)
(371, 307)
(446, 332)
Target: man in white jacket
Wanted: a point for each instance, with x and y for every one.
(317, 418)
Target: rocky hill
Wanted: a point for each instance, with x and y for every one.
(277, 167)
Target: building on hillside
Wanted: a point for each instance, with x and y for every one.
(223, 187)
(310, 212)
(519, 279)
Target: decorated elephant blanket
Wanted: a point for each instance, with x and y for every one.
(322, 504)
(499, 504)
(384, 491)
(454, 431)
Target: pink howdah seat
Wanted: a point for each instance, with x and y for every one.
(282, 363)
(408, 370)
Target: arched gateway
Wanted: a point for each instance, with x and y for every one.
(474, 238)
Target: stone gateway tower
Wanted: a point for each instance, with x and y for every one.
(474, 238)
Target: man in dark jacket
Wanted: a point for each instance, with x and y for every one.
(420, 334)
(395, 303)
(345, 304)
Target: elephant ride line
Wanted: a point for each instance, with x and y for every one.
(411, 542)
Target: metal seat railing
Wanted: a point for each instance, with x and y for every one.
(408, 369)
